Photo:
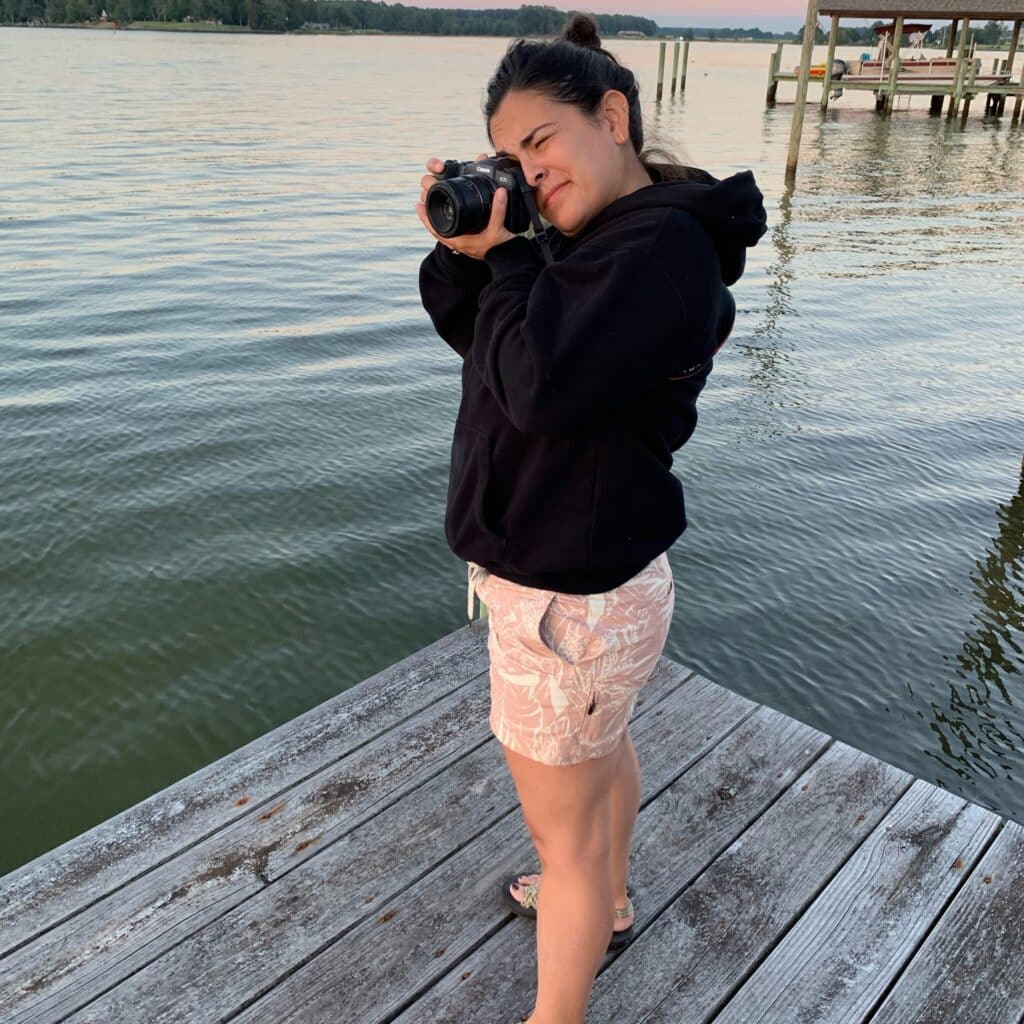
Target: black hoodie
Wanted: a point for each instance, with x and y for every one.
(580, 379)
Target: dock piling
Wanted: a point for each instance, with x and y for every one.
(954, 100)
(686, 64)
(826, 85)
(661, 69)
(797, 127)
(675, 65)
(968, 90)
(894, 66)
(773, 70)
(1014, 40)
(937, 101)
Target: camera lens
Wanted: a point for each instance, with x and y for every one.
(460, 206)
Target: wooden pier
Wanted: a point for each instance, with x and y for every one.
(961, 90)
(344, 868)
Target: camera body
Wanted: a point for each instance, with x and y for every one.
(459, 202)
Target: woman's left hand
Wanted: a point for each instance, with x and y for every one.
(476, 245)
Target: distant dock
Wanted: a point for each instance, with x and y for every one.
(959, 80)
(344, 868)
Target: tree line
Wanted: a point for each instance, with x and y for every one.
(338, 15)
(372, 16)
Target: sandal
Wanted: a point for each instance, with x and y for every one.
(527, 907)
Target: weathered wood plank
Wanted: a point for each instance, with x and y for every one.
(836, 962)
(970, 969)
(698, 814)
(120, 933)
(57, 885)
(708, 935)
(65, 968)
(430, 921)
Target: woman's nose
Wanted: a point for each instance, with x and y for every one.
(532, 172)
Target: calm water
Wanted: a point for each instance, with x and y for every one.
(226, 418)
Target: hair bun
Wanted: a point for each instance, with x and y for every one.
(582, 30)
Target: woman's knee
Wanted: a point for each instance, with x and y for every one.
(575, 833)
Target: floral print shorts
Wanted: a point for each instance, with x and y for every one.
(565, 669)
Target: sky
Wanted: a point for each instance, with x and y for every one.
(769, 15)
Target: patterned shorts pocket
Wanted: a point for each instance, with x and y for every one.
(566, 628)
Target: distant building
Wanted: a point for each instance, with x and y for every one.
(631, 33)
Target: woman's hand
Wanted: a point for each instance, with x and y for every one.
(475, 245)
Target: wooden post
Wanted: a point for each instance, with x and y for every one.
(1014, 40)
(937, 101)
(773, 70)
(675, 65)
(967, 89)
(954, 100)
(894, 64)
(826, 84)
(686, 62)
(797, 127)
(661, 68)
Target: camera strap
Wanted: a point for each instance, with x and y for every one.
(540, 233)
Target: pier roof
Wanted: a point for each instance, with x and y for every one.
(996, 10)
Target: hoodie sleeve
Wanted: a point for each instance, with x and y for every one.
(450, 288)
(562, 344)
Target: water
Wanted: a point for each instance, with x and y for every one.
(226, 418)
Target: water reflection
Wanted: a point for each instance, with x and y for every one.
(768, 354)
(913, 159)
(975, 730)
(779, 302)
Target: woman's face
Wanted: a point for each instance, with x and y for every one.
(576, 164)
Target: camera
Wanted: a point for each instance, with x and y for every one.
(459, 203)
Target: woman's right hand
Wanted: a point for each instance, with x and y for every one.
(476, 244)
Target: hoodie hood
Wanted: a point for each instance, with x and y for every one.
(731, 211)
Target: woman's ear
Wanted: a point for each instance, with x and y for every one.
(615, 110)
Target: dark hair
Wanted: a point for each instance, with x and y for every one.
(576, 69)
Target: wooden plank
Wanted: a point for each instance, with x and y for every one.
(970, 968)
(840, 957)
(57, 885)
(705, 942)
(487, 980)
(68, 966)
(387, 871)
(701, 813)
(131, 927)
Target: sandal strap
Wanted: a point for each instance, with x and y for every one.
(530, 894)
(531, 890)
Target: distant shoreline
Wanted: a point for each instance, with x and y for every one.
(178, 26)
(203, 28)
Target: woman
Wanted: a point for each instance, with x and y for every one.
(579, 379)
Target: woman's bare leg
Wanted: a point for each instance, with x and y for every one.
(567, 809)
(625, 805)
